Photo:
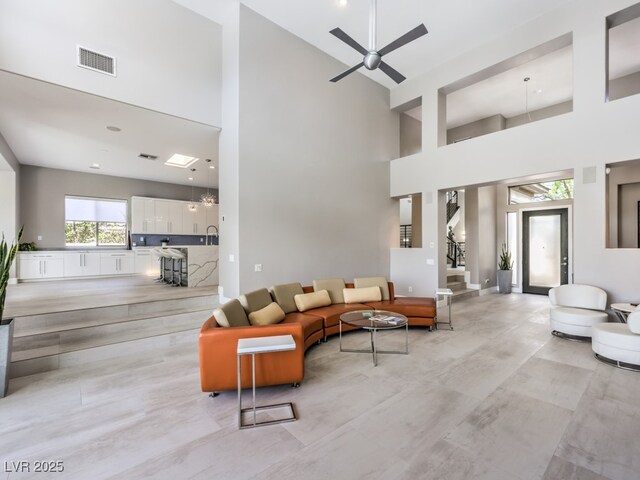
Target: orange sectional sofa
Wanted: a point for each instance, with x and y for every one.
(241, 318)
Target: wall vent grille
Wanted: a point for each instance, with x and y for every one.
(148, 156)
(95, 61)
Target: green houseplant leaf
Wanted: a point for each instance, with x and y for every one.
(7, 256)
(505, 262)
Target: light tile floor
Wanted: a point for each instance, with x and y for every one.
(497, 398)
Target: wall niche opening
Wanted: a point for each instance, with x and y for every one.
(529, 87)
(410, 127)
(623, 53)
(411, 221)
(623, 204)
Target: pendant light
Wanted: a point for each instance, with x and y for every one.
(193, 206)
(526, 97)
(208, 199)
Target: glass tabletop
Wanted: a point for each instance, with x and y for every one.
(378, 319)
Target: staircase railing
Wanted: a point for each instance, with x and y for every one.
(455, 253)
(452, 204)
(405, 236)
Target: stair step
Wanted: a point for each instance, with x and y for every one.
(466, 293)
(47, 323)
(455, 277)
(457, 286)
(122, 350)
(34, 346)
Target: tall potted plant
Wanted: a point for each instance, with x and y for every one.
(505, 272)
(7, 256)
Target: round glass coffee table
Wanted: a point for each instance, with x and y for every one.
(374, 320)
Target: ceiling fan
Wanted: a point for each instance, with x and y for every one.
(373, 57)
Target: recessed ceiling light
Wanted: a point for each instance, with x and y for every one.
(190, 179)
(114, 128)
(181, 161)
(342, 3)
(212, 166)
(95, 166)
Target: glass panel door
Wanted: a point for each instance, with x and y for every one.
(545, 250)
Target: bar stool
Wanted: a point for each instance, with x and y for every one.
(177, 257)
(163, 257)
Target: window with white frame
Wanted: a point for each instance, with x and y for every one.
(95, 222)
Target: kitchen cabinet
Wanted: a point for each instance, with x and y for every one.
(194, 222)
(120, 263)
(168, 217)
(81, 264)
(40, 265)
(143, 218)
(146, 262)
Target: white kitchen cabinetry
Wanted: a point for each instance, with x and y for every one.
(194, 223)
(168, 217)
(81, 264)
(40, 265)
(143, 216)
(121, 263)
(146, 262)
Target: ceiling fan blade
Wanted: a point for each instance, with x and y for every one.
(410, 36)
(395, 75)
(349, 41)
(344, 74)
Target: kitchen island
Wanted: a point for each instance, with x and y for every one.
(202, 265)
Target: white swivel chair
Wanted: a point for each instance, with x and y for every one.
(575, 309)
(619, 343)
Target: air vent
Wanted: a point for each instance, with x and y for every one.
(98, 62)
(148, 156)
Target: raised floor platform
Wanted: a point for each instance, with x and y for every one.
(63, 323)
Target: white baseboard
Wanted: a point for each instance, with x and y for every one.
(474, 286)
(489, 290)
(221, 298)
(13, 281)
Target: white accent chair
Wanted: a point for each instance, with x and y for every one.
(618, 343)
(575, 309)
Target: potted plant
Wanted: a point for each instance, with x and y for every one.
(7, 256)
(505, 272)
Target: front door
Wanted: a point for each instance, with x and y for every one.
(545, 259)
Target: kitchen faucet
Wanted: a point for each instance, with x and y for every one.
(207, 237)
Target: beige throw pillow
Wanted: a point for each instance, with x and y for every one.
(362, 295)
(307, 301)
(268, 315)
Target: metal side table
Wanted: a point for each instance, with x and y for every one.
(622, 310)
(254, 346)
(446, 293)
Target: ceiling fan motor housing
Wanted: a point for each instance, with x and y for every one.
(372, 60)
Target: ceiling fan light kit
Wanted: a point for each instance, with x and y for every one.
(372, 59)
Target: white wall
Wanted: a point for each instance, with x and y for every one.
(174, 70)
(314, 156)
(229, 155)
(9, 194)
(594, 134)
